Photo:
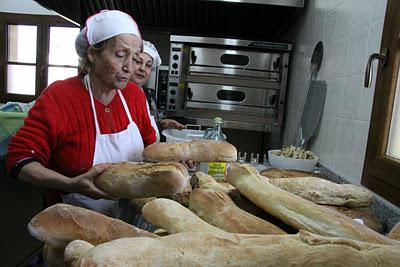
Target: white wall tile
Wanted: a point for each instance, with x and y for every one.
(357, 52)
(360, 14)
(351, 31)
(331, 134)
(348, 172)
(360, 142)
(378, 10)
(343, 18)
(339, 58)
(351, 96)
(334, 96)
(375, 38)
(346, 137)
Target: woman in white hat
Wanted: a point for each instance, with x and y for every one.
(148, 60)
(99, 116)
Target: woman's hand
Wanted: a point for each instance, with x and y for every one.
(84, 183)
(171, 124)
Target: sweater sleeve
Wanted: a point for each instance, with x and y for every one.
(36, 138)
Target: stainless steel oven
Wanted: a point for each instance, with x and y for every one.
(242, 81)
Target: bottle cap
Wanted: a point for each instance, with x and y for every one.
(217, 120)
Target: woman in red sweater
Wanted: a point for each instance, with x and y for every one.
(78, 123)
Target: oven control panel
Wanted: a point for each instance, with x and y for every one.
(175, 62)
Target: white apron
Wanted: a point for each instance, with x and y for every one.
(126, 145)
(152, 120)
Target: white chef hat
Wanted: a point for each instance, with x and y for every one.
(109, 23)
(151, 50)
(104, 25)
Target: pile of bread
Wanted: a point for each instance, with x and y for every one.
(248, 220)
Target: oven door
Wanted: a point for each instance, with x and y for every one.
(252, 101)
(234, 62)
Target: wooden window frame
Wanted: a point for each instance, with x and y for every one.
(381, 173)
(43, 23)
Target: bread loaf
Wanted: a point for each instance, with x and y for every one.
(202, 249)
(296, 211)
(322, 191)
(203, 180)
(61, 223)
(142, 180)
(196, 150)
(218, 209)
(369, 218)
(395, 232)
(175, 218)
(283, 173)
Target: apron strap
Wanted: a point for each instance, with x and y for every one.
(88, 87)
(125, 106)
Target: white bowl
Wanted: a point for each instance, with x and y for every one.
(282, 162)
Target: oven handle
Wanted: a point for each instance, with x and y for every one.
(193, 57)
(189, 93)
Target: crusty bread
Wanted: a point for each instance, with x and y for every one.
(283, 173)
(203, 180)
(175, 218)
(196, 150)
(369, 218)
(218, 209)
(202, 249)
(296, 211)
(142, 180)
(395, 232)
(322, 191)
(61, 223)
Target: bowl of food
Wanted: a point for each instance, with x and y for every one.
(293, 158)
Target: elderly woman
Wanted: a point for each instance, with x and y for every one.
(96, 117)
(148, 60)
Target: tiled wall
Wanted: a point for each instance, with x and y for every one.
(350, 30)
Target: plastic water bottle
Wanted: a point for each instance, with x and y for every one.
(215, 133)
(215, 169)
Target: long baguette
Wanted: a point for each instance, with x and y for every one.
(296, 211)
(142, 180)
(218, 209)
(61, 223)
(175, 218)
(197, 150)
(202, 249)
(325, 192)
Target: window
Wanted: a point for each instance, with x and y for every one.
(381, 172)
(38, 51)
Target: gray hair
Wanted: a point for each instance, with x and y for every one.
(82, 48)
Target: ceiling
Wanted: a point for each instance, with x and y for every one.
(245, 19)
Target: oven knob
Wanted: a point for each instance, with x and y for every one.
(175, 65)
(172, 101)
(175, 57)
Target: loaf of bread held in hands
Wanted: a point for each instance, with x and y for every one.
(202, 249)
(196, 150)
(142, 180)
(218, 209)
(296, 211)
(61, 223)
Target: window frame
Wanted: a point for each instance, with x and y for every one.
(43, 23)
(381, 173)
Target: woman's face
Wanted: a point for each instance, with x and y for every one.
(113, 66)
(142, 69)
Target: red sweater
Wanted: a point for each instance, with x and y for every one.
(59, 131)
